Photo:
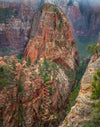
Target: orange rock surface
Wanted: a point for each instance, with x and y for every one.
(51, 37)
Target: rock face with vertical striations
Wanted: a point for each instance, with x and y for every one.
(36, 95)
(15, 25)
(51, 37)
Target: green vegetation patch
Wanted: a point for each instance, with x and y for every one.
(47, 70)
(19, 56)
(20, 115)
(50, 90)
(58, 13)
(94, 49)
(28, 61)
(88, 125)
(57, 43)
(60, 26)
(96, 96)
(80, 71)
(95, 114)
(6, 13)
(6, 76)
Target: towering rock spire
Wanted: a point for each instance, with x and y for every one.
(47, 40)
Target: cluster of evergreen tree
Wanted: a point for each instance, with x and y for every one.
(94, 49)
(96, 96)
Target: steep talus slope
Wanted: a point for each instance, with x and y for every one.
(51, 37)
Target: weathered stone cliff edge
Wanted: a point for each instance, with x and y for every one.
(81, 112)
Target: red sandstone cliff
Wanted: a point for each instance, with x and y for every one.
(27, 99)
(36, 95)
(51, 37)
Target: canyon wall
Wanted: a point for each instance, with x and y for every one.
(34, 90)
(81, 112)
(15, 26)
(84, 17)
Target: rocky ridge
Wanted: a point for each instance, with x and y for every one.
(51, 37)
(38, 86)
(26, 98)
(81, 112)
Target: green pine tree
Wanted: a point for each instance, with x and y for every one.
(94, 49)
(96, 96)
(28, 61)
